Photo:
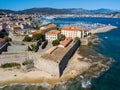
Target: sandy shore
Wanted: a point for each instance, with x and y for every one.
(74, 68)
(103, 29)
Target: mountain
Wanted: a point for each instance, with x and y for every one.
(45, 11)
(102, 10)
(50, 11)
(3, 11)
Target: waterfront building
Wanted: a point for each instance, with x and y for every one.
(47, 28)
(66, 42)
(53, 35)
(72, 31)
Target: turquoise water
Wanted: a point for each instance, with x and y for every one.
(109, 47)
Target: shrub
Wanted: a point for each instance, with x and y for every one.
(55, 42)
(33, 46)
(27, 38)
(7, 39)
(37, 36)
(9, 65)
(27, 62)
(62, 37)
(77, 38)
(44, 44)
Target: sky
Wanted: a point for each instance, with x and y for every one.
(86, 4)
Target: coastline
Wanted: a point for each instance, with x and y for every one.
(77, 66)
(102, 29)
(73, 69)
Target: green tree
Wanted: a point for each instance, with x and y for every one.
(37, 36)
(62, 37)
(55, 42)
(33, 46)
(27, 38)
(7, 39)
(77, 38)
(59, 29)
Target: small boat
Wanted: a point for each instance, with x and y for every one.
(106, 37)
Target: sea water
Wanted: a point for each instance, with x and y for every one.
(109, 47)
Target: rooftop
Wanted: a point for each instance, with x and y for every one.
(48, 26)
(16, 27)
(53, 32)
(1, 39)
(66, 41)
(72, 28)
(36, 32)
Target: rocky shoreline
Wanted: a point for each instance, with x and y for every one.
(83, 66)
(98, 64)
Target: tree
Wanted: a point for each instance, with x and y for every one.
(37, 36)
(59, 29)
(55, 42)
(7, 39)
(77, 38)
(62, 37)
(3, 33)
(27, 38)
(44, 44)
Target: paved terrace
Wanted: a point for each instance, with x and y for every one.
(58, 54)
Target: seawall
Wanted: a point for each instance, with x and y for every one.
(102, 29)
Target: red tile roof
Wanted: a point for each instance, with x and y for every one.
(16, 27)
(71, 28)
(1, 24)
(1, 39)
(36, 32)
(48, 26)
(66, 41)
(53, 32)
(52, 25)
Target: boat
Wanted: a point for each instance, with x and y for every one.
(106, 37)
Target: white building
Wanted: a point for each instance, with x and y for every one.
(72, 31)
(53, 35)
(1, 26)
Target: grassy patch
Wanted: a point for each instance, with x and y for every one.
(9, 65)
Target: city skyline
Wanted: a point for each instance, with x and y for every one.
(86, 4)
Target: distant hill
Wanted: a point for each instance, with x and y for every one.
(3, 11)
(45, 11)
(50, 11)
